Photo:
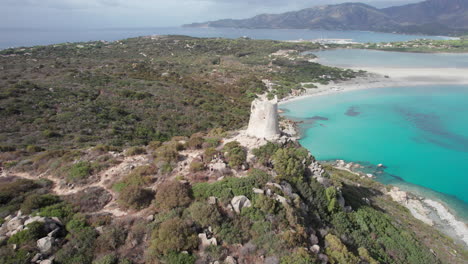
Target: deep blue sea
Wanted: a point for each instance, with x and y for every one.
(11, 37)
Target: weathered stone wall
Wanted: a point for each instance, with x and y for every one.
(264, 119)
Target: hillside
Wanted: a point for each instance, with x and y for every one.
(139, 90)
(428, 17)
(204, 199)
(348, 16)
(132, 152)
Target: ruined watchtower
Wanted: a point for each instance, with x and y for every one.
(264, 119)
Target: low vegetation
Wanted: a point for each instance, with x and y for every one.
(126, 128)
(422, 45)
(135, 91)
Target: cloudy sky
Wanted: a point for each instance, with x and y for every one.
(144, 13)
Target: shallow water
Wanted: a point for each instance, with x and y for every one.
(419, 133)
(31, 37)
(374, 58)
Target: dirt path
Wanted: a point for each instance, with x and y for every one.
(106, 178)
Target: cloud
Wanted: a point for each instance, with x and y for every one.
(90, 4)
(62, 4)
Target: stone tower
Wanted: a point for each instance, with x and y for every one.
(264, 119)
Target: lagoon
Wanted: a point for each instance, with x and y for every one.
(373, 58)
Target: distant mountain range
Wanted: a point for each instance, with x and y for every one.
(428, 17)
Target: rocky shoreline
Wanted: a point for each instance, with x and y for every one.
(431, 212)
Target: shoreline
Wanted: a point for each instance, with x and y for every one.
(382, 77)
(422, 203)
(433, 212)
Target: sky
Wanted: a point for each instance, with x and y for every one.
(145, 13)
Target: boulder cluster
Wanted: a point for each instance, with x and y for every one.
(18, 222)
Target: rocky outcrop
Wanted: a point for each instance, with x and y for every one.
(263, 121)
(240, 202)
(206, 242)
(19, 222)
(45, 245)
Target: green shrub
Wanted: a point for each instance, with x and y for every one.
(173, 235)
(364, 254)
(81, 242)
(107, 259)
(79, 249)
(290, 163)
(173, 194)
(134, 196)
(33, 149)
(331, 195)
(140, 176)
(112, 238)
(300, 256)
(79, 171)
(167, 153)
(309, 86)
(235, 231)
(235, 154)
(4, 148)
(9, 191)
(50, 134)
(265, 152)
(36, 201)
(205, 214)
(209, 154)
(232, 186)
(10, 256)
(212, 142)
(106, 148)
(35, 231)
(196, 166)
(61, 210)
(196, 141)
(133, 151)
(179, 258)
(267, 205)
(338, 252)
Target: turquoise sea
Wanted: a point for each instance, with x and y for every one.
(419, 133)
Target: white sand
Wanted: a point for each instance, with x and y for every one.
(390, 77)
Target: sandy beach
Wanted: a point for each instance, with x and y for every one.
(380, 77)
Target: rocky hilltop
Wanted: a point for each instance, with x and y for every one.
(428, 17)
